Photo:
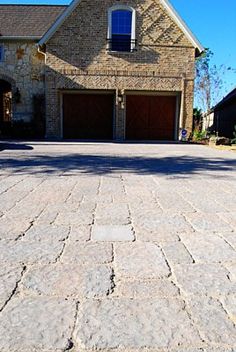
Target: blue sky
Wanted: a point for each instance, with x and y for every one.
(212, 21)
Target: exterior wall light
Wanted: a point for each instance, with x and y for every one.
(17, 96)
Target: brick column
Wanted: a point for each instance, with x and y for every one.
(120, 116)
(188, 105)
(53, 118)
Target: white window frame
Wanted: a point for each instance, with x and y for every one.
(133, 26)
(2, 53)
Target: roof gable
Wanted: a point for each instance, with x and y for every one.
(27, 21)
(170, 10)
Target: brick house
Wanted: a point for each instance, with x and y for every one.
(111, 69)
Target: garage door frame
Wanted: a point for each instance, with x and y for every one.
(86, 91)
(157, 93)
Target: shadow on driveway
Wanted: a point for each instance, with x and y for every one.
(14, 146)
(180, 166)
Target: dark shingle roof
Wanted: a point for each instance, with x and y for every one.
(227, 99)
(27, 20)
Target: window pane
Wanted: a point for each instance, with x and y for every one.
(121, 22)
(1, 53)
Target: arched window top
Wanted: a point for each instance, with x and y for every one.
(121, 28)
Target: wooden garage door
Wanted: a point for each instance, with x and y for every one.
(88, 116)
(150, 117)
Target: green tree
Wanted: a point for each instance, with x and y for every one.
(209, 83)
(197, 119)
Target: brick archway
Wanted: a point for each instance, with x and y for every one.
(8, 79)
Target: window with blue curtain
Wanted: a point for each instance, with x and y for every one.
(121, 30)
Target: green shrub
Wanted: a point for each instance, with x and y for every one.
(199, 135)
(233, 141)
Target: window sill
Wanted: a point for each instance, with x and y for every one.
(121, 52)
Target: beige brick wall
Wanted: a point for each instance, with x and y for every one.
(23, 67)
(76, 58)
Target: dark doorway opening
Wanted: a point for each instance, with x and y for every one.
(5, 107)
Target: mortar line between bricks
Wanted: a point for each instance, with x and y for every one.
(226, 241)
(226, 220)
(183, 297)
(191, 318)
(130, 218)
(166, 260)
(12, 186)
(58, 258)
(30, 225)
(14, 289)
(71, 191)
(190, 254)
(71, 343)
(21, 199)
(226, 312)
(185, 216)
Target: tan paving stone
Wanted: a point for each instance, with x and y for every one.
(140, 260)
(204, 279)
(65, 280)
(208, 222)
(145, 289)
(212, 320)
(46, 233)
(11, 229)
(122, 323)
(208, 248)
(87, 253)
(176, 253)
(80, 233)
(39, 323)
(29, 252)
(112, 214)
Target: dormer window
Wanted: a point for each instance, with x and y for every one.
(121, 29)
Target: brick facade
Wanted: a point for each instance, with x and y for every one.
(77, 58)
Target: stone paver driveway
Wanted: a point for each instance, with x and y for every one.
(117, 247)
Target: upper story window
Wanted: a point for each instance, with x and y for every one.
(121, 28)
(1, 53)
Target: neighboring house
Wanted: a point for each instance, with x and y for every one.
(208, 121)
(113, 69)
(225, 115)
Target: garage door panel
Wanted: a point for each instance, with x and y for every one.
(150, 117)
(88, 116)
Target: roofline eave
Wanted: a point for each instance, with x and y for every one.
(183, 26)
(19, 37)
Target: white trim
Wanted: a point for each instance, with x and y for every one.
(172, 12)
(133, 28)
(179, 21)
(61, 19)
